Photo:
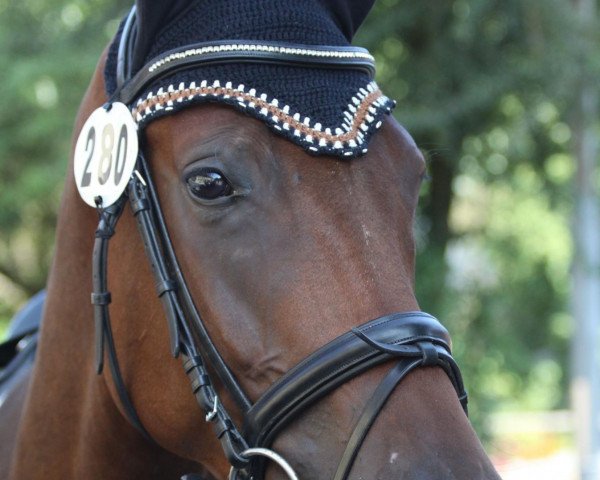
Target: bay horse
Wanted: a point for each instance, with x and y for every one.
(286, 255)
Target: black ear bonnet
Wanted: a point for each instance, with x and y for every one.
(325, 110)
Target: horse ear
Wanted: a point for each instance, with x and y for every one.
(348, 14)
(151, 17)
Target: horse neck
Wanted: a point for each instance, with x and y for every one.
(70, 420)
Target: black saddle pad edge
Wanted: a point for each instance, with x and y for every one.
(9, 350)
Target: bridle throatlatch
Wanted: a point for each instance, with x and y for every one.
(404, 340)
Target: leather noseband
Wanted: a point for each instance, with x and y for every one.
(408, 340)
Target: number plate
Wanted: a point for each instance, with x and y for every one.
(105, 154)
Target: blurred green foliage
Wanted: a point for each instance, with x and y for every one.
(48, 51)
(486, 88)
(483, 85)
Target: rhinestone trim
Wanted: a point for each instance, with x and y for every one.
(300, 52)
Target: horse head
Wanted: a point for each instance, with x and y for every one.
(281, 258)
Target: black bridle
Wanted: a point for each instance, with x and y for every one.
(408, 340)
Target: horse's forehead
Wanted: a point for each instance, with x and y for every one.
(208, 126)
(203, 121)
(213, 130)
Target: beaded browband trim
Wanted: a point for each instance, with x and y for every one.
(302, 52)
(240, 51)
(361, 118)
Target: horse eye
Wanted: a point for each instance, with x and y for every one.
(209, 184)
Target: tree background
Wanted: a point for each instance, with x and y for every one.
(486, 87)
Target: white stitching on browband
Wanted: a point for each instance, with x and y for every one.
(301, 52)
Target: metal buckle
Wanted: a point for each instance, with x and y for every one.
(271, 455)
(213, 413)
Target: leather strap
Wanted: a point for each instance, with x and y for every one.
(108, 218)
(185, 303)
(337, 362)
(370, 412)
(173, 292)
(165, 286)
(101, 298)
(183, 339)
(124, 56)
(275, 53)
(415, 337)
(115, 370)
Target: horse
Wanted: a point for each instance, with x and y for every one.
(286, 255)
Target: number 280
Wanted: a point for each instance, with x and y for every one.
(107, 161)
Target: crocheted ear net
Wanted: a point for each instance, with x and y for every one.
(326, 111)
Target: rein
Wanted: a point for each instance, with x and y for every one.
(407, 340)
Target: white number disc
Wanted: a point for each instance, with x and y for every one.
(105, 154)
